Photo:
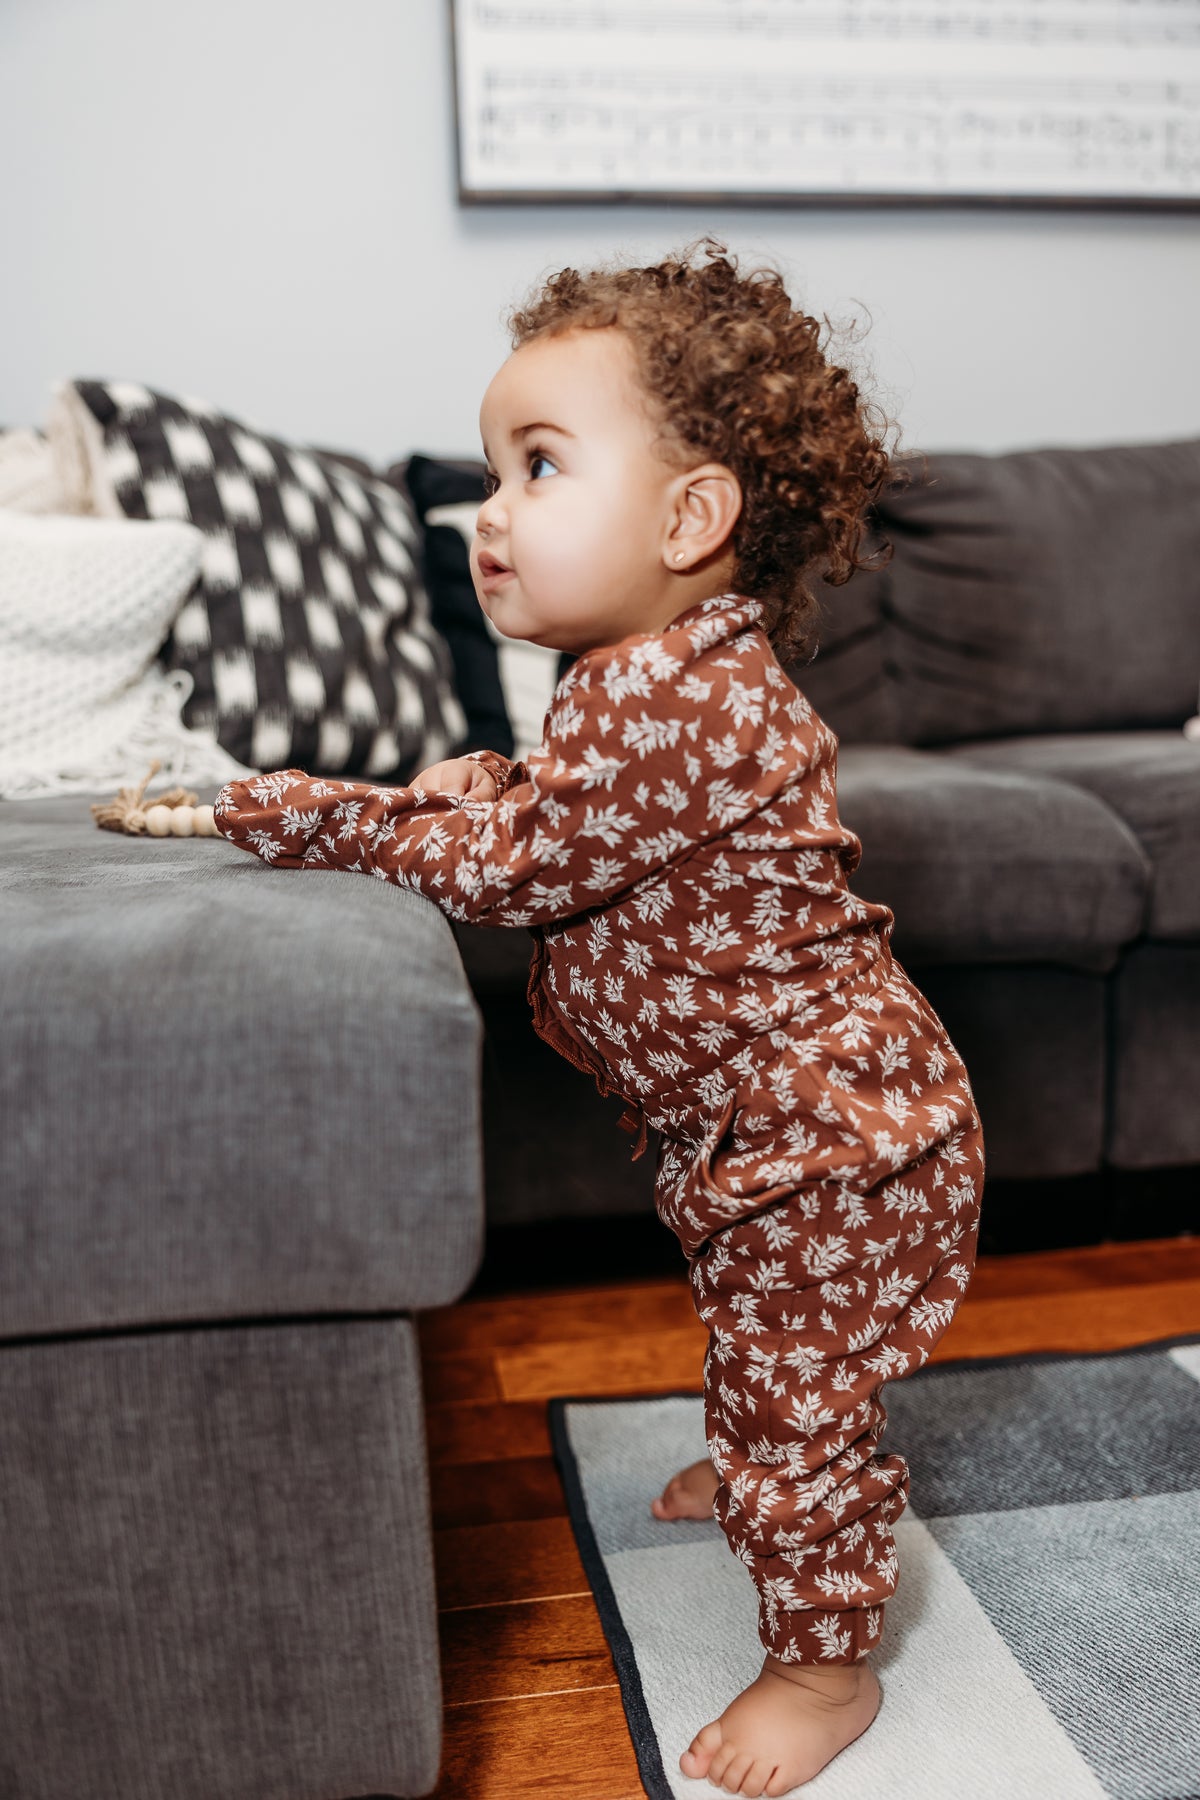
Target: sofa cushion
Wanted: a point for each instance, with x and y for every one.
(308, 637)
(231, 1092)
(991, 865)
(1048, 590)
(1043, 590)
(1151, 779)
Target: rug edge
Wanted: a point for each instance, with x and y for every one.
(642, 1732)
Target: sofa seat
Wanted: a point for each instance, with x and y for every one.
(265, 1085)
(1150, 779)
(991, 865)
(241, 1148)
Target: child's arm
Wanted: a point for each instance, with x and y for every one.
(623, 785)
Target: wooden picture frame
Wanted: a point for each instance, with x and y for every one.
(1082, 103)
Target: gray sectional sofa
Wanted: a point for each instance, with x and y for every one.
(241, 1143)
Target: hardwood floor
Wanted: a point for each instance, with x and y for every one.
(532, 1702)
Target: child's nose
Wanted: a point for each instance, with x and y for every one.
(489, 518)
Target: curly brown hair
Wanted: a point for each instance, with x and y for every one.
(740, 376)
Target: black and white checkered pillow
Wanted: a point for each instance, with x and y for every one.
(308, 635)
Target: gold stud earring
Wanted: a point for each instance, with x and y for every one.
(679, 556)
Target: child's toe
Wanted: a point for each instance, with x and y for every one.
(736, 1771)
(697, 1758)
(723, 1760)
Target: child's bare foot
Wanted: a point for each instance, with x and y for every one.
(785, 1727)
(688, 1495)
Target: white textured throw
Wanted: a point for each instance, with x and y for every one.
(84, 605)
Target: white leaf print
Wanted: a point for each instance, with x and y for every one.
(548, 898)
(681, 1000)
(646, 734)
(724, 752)
(823, 1256)
(673, 796)
(293, 822)
(605, 875)
(726, 803)
(714, 934)
(348, 811)
(809, 1413)
(637, 958)
(745, 703)
(746, 1308)
(607, 823)
(266, 846)
(267, 789)
(626, 682)
(598, 770)
(567, 721)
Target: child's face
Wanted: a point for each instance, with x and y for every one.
(574, 548)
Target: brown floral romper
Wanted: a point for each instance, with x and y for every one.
(675, 848)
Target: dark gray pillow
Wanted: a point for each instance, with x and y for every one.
(1046, 590)
(1038, 591)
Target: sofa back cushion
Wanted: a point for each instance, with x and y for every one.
(1045, 590)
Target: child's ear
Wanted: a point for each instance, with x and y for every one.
(705, 504)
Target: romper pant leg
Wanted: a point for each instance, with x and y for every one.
(811, 1305)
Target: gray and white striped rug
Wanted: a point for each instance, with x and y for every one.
(1044, 1643)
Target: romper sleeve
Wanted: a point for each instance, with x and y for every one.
(638, 767)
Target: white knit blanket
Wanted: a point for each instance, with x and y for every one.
(85, 604)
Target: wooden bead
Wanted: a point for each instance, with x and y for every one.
(183, 821)
(158, 820)
(206, 825)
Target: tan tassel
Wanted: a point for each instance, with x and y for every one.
(126, 813)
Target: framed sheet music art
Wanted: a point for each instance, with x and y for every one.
(761, 102)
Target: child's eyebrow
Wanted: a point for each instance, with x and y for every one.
(540, 425)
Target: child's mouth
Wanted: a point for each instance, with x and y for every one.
(492, 572)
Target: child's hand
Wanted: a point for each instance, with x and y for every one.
(458, 776)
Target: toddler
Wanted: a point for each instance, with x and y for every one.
(670, 453)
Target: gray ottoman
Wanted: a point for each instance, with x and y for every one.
(240, 1148)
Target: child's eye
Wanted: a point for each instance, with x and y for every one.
(491, 481)
(537, 457)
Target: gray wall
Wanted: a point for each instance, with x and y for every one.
(253, 201)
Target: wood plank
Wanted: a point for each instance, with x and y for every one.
(1091, 1319)
(542, 1749)
(525, 1487)
(495, 1565)
(446, 1378)
(512, 1652)
(1080, 1318)
(1093, 1265)
(496, 1431)
(557, 1314)
(652, 1362)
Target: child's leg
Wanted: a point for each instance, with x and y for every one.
(809, 1312)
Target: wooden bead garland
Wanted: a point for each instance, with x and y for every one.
(173, 814)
